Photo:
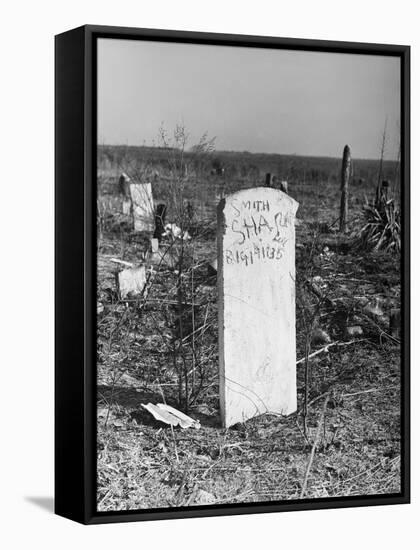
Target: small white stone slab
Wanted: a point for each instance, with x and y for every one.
(126, 207)
(256, 297)
(154, 243)
(143, 207)
(131, 281)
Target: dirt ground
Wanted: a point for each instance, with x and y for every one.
(353, 384)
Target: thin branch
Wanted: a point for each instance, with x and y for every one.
(314, 446)
(327, 347)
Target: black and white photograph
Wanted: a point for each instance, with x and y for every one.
(249, 275)
(209, 275)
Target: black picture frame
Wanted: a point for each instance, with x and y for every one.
(75, 287)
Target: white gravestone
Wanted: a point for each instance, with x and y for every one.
(256, 288)
(142, 206)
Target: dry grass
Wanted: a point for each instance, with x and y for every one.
(144, 464)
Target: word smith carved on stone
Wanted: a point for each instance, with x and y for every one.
(251, 220)
(257, 332)
(262, 231)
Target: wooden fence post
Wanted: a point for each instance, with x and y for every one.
(345, 177)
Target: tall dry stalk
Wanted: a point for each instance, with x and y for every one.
(184, 339)
(381, 162)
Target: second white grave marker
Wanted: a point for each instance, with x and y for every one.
(143, 207)
(257, 326)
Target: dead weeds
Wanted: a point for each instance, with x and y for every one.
(144, 464)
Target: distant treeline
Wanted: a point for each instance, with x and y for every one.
(158, 162)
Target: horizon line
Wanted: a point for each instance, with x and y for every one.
(221, 151)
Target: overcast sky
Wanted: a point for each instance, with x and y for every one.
(258, 100)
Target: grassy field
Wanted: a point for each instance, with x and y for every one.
(348, 394)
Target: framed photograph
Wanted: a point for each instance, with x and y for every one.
(232, 274)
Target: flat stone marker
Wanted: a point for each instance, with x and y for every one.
(131, 281)
(154, 243)
(256, 303)
(126, 207)
(143, 207)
